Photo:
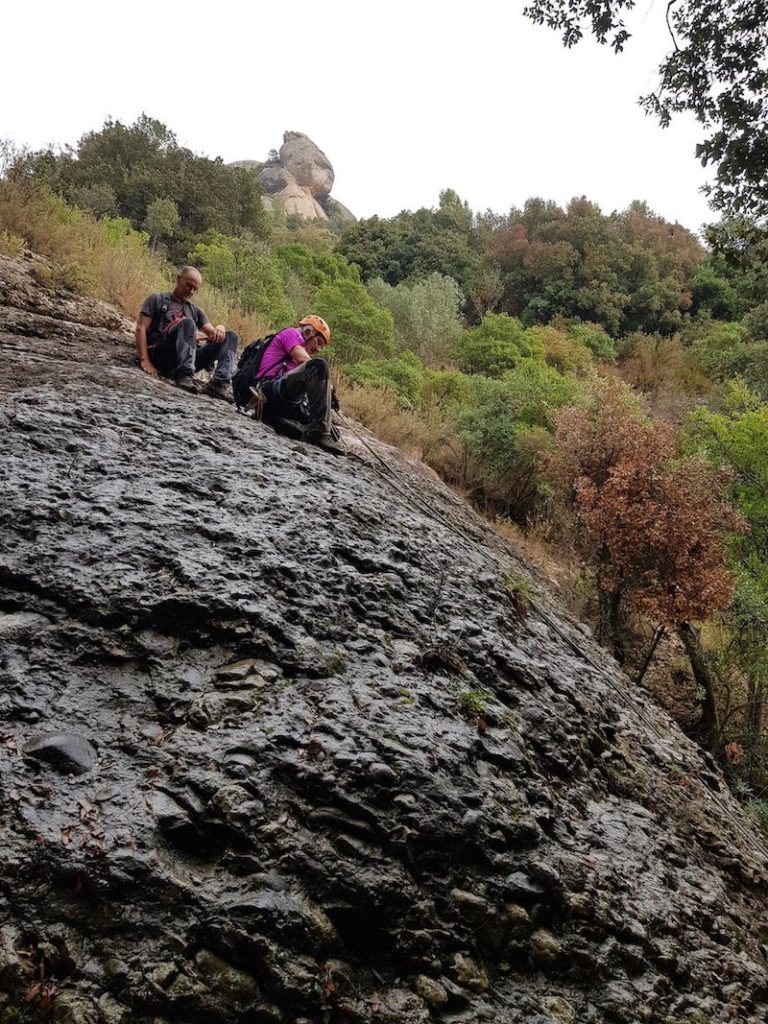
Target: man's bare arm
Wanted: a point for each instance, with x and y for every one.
(142, 325)
(299, 355)
(214, 333)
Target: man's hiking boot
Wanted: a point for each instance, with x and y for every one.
(325, 441)
(186, 382)
(218, 389)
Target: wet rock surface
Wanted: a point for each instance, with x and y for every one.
(334, 777)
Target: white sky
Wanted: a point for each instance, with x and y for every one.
(405, 97)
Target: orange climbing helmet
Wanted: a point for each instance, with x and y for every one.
(318, 324)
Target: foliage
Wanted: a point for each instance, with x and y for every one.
(103, 258)
(162, 220)
(402, 374)
(600, 344)
(737, 437)
(507, 425)
(716, 70)
(620, 272)
(498, 344)
(652, 524)
(360, 328)
(448, 389)
(332, 287)
(653, 363)
(561, 350)
(425, 314)
(249, 273)
(714, 290)
(471, 702)
(126, 168)
(414, 245)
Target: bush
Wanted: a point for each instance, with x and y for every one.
(403, 375)
(561, 351)
(446, 388)
(596, 340)
(506, 427)
(498, 344)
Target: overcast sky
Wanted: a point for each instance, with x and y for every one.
(405, 97)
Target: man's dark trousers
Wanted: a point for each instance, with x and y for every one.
(179, 353)
(284, 395)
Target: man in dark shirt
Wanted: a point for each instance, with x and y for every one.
(166, 339)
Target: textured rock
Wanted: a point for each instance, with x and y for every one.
(291, 819)
(301, 178)
(66, 752)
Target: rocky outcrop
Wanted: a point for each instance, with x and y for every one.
(311, 762)
(300, 177)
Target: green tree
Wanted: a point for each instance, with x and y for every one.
(425, 314)
(402, 374)
(507, 424)
(715, 70)
(737, 437)
(161, 221)
(414, 245)
(143, 162)
(497, 345)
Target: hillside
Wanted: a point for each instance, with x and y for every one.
(278, 747)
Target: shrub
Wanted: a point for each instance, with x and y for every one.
(561, 351)
(498, 344)
(402, 374)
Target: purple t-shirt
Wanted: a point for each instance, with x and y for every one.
(276, 360)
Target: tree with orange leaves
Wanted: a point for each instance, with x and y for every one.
(651, 523)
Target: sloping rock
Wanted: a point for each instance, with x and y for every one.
(297, 814)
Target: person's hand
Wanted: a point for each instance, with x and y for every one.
(147, 367)
(218, 332)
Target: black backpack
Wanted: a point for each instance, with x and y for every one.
(247, 370)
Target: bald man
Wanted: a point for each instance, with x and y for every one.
(166, 339)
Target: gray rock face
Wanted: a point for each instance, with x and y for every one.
(296, 814)
(301, 178)
(66, 752)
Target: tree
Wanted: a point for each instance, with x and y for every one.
(737, 437)
(140, 163)
(716, 69)
(161, 221)
(425, 313)
(652, 524)
(498, 344)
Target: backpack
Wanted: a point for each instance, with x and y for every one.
(247, 369)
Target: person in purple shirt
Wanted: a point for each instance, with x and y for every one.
(295, 382)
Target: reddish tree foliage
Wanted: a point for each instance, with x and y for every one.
(653, 524)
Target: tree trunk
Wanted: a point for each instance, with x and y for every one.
(658, 633)
(753, 729)
(615, 627)
(709, 724)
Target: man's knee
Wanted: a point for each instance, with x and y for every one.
(318, 367)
